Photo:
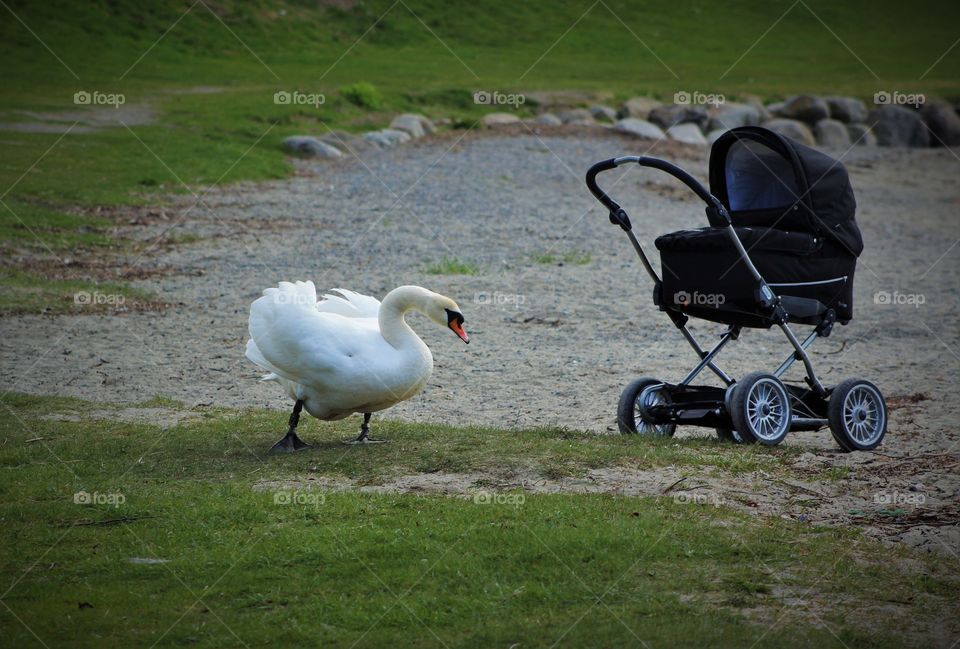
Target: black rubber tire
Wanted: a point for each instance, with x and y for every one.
(626, 410)
(740, 402)
(839, 424)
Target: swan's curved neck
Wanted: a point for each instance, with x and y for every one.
(395, 305)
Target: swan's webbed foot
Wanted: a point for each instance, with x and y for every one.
(364, 436)
(290, 441)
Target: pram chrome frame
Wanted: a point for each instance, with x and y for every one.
(712, 410)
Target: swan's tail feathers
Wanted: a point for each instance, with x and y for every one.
(349, 304)
(254, 355)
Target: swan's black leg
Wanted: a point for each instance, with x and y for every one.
(364, 437)
(291, 442)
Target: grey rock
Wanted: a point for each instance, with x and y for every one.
(671, 114)
(415, 125)
(861, 135)
(603, 113)
(639, 128)
(943, 122)
(344, 141)
(775, 109)
(310, 147)
(756, 102)
(848, 110)
(733, 115)
(388, 137)
(638, 107)
(831, 134)
(713, 135)
(547, 119)
(688, 133)
(792, 128)
(576, 116)
(806, 108)
(898, 126)
(499, 119)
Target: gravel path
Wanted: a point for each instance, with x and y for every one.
(552, 344)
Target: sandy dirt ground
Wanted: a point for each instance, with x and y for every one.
(553, 344)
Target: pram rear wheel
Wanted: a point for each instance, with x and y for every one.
(633, 416)
(857, 414)
(760, 409)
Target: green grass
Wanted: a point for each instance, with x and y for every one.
(452, 266)
(422, 55)
(573, 257)
(29, 293)
(282, 567)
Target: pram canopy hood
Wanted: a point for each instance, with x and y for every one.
(766, 179)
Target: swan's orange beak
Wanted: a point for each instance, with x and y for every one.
(457, 328)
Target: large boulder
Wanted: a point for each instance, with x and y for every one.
(733, 115)
(639, 128)
(792, 128)
(387, 137)
(861, 135)
(688, 133)
(943, 122)
(415, 125)
(547, 119)
(576, 116)
(806, 108)
(499, 119)
(638, 107)
(603, 113)
(831, 134)
(898, 126)
(309, 147)
(671, 114)
(848, 110)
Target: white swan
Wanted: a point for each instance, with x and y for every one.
(346, 353)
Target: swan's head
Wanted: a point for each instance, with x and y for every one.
(446, 313)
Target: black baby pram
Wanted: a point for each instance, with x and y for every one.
(781, 249)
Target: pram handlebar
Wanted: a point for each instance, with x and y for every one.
(716, 212)
(619, 217)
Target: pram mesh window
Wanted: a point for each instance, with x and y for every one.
(758, 178)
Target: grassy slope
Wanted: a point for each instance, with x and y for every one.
(208, 138)
(329, 573)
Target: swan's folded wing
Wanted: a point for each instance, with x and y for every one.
(349, 304)
(301, 344)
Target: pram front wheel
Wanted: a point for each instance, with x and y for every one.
(857, 414)
(760, 409)
(633, 412)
